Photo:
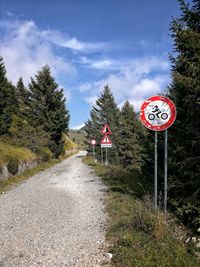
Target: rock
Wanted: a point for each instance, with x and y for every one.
(194, 239)
(198, 230)
(109, 256)
(198, 245)
(187, 240)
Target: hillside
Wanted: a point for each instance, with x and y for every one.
(78, 137)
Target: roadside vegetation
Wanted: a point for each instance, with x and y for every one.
(137, 234)
(78, 137)
(33, 125)
(133, 145)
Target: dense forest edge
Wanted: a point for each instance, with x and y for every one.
(133, 145)
(33, 123)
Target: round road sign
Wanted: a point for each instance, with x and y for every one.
(93, 142)
(158, 113)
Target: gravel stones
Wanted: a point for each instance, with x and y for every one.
(56, 218)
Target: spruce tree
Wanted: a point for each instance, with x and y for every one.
(131, 151)
(23, 96)
(184, 194)
(47, 106)
(105, 111)
(8, 101)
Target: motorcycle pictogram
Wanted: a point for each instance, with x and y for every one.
(157, 113)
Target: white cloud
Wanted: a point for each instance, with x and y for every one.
(25, 51)
(135, 80)
(91, 100)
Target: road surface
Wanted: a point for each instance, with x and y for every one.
(55, 218)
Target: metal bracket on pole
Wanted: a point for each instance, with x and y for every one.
(165, 174)
(156, 171)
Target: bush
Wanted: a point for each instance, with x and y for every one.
(44, 154)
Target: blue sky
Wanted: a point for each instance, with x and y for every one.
(88, 44)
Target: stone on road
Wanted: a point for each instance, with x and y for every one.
(56, 218)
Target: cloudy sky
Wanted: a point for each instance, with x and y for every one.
(88, 44)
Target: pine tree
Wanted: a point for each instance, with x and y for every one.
(8, 102)
(131, 151)
(184, 134)
(47, 106)
(105, 111)
(23, 96)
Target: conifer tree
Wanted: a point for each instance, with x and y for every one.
(131, 151)
(184, 134)
(8, 102)
(47, 106)
(23, 98)
(105, 111)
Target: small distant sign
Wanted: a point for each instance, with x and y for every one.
(106, 130)
(106, 142)
(93, 142)
(158, 113)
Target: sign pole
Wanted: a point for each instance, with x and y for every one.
(93, 153)
(106, 163)
(156, 171)
(101, 156)
(165, 174)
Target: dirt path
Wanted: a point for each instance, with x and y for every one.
(56, 218)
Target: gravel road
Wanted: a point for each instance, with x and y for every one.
(55, 218)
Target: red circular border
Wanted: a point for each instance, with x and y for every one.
(95, 142)
(164, 126)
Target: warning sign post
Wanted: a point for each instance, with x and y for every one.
(106, 141)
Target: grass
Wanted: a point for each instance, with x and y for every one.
(12, 153)
(13, 180)
(138, 235)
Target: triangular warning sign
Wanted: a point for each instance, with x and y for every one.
(106, 140)
(106, 130)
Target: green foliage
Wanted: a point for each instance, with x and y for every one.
(68, 143)
(105, 111)
(9, 153)
(47, 106)
(184, 134)
(23, 134)
(8, 103)
(132, 135)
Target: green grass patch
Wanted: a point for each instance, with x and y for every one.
(140, 237)
(9, 153)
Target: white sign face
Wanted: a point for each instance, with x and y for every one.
(93, 142)
(157, 113)
(106, 145)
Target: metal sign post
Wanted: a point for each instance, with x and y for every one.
(101, 155)
(156, 171)
(93, 143)
(165, 174)
(106, 162)
(158, 113)
(106, 141)
(93, 153)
